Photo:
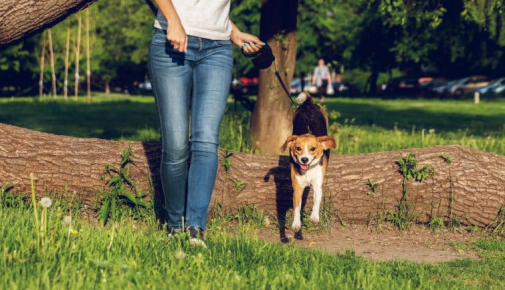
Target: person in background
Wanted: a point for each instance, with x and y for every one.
(191, 51)
(321, 78)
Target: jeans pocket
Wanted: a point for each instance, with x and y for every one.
(159, 37)
(222, 42)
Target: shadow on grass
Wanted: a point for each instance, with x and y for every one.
(438, 115)
(119, 119)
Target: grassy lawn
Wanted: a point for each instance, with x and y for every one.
(133, 255)
(360, 125)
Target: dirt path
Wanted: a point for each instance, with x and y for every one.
(418, 244)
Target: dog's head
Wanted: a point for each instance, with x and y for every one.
(307, 149)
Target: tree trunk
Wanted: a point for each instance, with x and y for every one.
(42, 63)
(51, 58)
(88, 69)
(474, 182)
(77, 56)
(67, 53)
(22, 18)
(271, 118)
(107, 87)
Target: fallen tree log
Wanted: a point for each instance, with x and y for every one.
(471, 188)
(21, 18)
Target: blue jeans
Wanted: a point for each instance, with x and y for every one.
(206, 68)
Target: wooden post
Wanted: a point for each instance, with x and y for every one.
(42, 60)
(67, 53)
(77, 50)
(88, 70)
(476, 97)
(51, 56)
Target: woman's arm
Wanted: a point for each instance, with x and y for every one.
(248, 42)
(176, 34)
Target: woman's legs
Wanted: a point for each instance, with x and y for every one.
(211, 84)
(207, 67)
(171, 78)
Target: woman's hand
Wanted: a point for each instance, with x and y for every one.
(247, 42)
(177, 36)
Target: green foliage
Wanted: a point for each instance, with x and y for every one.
(405, 214)
(122, 189)
(373, 186)
(436, 224)
(226, 159)
(408, 168)
(8, 198)
(250, 214)
(446, 158)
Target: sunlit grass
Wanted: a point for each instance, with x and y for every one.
(136, 255)
(360, 125)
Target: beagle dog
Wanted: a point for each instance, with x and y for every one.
(309, 150)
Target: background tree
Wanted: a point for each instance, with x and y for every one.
(271, 119)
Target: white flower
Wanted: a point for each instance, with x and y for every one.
(67, 220)
(180, 255)
(46, 202)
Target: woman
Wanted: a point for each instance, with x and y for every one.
(321, 78)
(191, 51)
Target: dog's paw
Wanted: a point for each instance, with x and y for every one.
(314, 218)
(296, 225)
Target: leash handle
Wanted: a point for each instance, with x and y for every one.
(277, 74)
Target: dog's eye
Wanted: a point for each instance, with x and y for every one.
(312, 149)
(298, 148)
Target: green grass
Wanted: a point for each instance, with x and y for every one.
(135, 255)
(360, 125)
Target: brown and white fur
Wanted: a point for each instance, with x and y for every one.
(309, 150)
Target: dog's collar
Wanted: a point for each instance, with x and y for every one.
(300, 170)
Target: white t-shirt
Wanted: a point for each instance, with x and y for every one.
(202, 18)
(321, 73)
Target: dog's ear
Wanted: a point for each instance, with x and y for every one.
(327, 142)
(288, 142)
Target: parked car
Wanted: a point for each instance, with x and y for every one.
(491, 88)
(245, 86)
(467, 85)
(401, 85)
(296, 86)
(145, 85)
(340, 87)
(500, 90)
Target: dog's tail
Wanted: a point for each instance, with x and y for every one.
(303, 97)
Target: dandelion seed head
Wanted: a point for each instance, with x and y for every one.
(67, 220)
(180, 255)
(46, 202)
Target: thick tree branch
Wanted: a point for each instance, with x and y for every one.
(475, 180)
(22, 18)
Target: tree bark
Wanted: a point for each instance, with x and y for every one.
(475, 180)
(278, 28)
(22, 18)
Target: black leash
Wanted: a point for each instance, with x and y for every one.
(277, 74)
(262, 59)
